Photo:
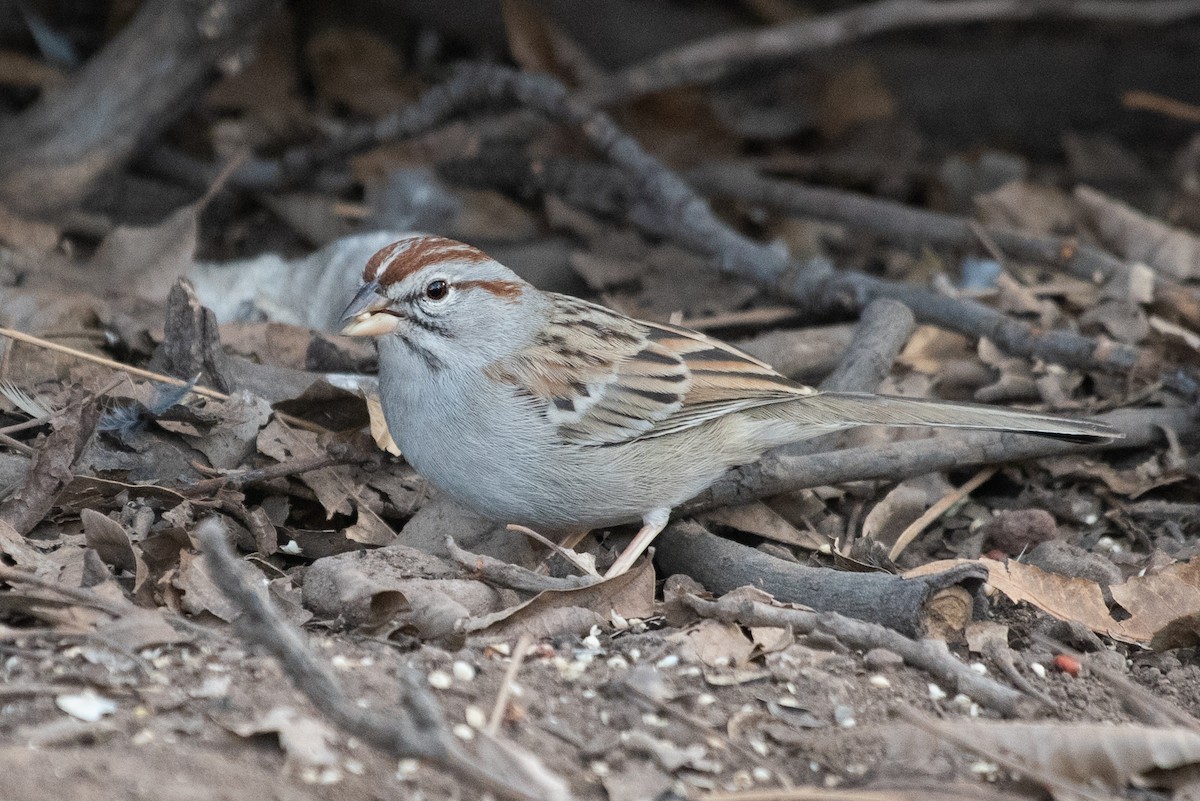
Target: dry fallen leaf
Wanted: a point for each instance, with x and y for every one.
(555, 612)
(1154, 602)
(149, 259)
(1113, 755)
(306, 740)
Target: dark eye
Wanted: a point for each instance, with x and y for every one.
(437, 289)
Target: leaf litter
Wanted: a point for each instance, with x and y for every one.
(104, 586)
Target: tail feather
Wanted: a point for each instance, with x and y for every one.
(864, 409)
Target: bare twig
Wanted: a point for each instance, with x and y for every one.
(573, 558)
(665, 205)
(712, 59)
(938, 509)
(510, 676)
(932, 656)
(1168, 106)
(30, 339)
(514, 577)
(55, 150)
(415, 729)
(721, 565)
(881, 334)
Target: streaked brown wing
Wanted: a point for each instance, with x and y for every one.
(604, 378)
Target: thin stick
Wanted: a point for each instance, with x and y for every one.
(510, 675)
(29, 339)
(16, 445)
(566, 553)
(1167, 106)
(938, 509)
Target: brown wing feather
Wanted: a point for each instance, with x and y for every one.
(604, 378)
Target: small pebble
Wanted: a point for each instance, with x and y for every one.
(936, 693)
(1038, 669)
(668, 661)
(464, 732)
(440, 680)
(476, 717)
(463, 671)
(882, 682)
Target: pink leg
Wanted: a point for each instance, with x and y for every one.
(653, 522)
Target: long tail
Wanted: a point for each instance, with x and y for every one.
(863, 409)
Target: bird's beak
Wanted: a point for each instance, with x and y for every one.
(368, 314)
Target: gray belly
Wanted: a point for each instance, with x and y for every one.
(511, 468)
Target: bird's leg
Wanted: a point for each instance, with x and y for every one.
(653, 522)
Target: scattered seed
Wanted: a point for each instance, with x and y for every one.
(667, 662)
(463, 671)
(599, 768)
(936, 693)
(341, 662)
(1067, 664)
(406, 769)
(86, 706)
(476, 717)
(1038, 669)
(354, 767)
(618, 662)
(979, 668)
(654, 721)
(440, 680)
(761, 775)
(882, 682)
(464, 732)
(704, 699)
(961, 700)
(591, 642)
(844, 715)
